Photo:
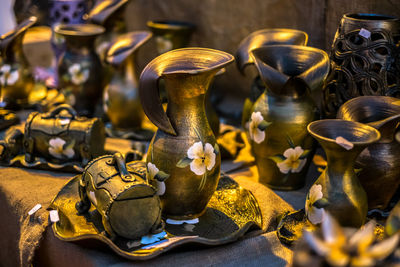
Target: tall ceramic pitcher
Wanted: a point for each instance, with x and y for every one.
(121, 96)
(379, 162)
(277, 127)
(184, 146)
(258, 39)
(16, 79)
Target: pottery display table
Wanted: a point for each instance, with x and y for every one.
(29, 239)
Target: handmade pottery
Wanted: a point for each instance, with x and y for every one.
(255, 40)
(342, 142)
(184, 146)
(170, 35)
(128, 204)
(364, 60)
(79, 68)
(121, 96)
(16, 79)
(110, 15)
(379, 162)
(277, 126)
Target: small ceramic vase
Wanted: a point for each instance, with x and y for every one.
(364, 58)
(184, 146)
(121, 96)
(255, 40)
(379, 162)
(79, 68)
(16, 79)
(171, 35)
(64, 12)
(110, 15)
(277, 127)
(342, 142)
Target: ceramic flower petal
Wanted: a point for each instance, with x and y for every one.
(55, 152)
(256, 117)
(57, 142)
(362, 262)
(315, 193)
(258, 136)
(5, 68)
(13, 77)
(300, 165)
(209, 156)
(284, 166)
(69, 152)
(337, 258)
(195, 151)
(315, 215)
(74, 68)
(315, 243)
(197, 166)
(152, 169)
(364, 237)
(383, 248)
(161, 188)
(332, 232)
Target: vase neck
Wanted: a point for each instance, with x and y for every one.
(80, 44)
(186, 96)
(13, 52)
(127, 70)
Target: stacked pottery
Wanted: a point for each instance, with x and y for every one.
(121, 96)
(277, 128)
(258, 39)
(184, 146)
(379, 163)
(364, 60)
(16, 79)
(338, 184)
(79, 68)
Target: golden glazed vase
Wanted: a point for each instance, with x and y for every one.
(184, 146)
(255, 40)
(121, 100)
(347, 200)
(277, 126)
(379, 163)
(16, 79)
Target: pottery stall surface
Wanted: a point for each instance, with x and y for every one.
(255, 40)
(364, 59)
(16, 79)
(277, 127)
(379, 162)
(79, 68)
(342, 142)
(184, 146)
(110, 15)
(121, 96)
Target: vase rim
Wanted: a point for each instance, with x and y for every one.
(226, 58)
(334, 123)
(79, 29)
(170, 25)
(369, 17)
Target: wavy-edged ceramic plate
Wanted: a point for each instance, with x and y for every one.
(231, 213)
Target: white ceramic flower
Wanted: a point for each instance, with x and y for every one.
(57, 150)
(163, 44)
(78, 74)
(292, 163)
(8, 76)
(315, 215)
(152, 171)
(255, 133)
(203, 158)
(357, 250)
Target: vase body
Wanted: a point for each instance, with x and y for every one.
(286, 108)
(364, 60)
(121, 96)
(379, 162)
(340, 186)
(16, 79)
(79, 68)
(255, 40)
(184, 126)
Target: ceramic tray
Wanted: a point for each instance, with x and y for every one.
(232, 212)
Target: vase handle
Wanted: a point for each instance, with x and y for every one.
(150, 98)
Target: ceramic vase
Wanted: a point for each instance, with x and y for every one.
(184, 146)
(277, 126)
(255, 40)
(342, 142)
(379, 163)
(16, 79)
(364, 58)
(79, 68)
(121, 96)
